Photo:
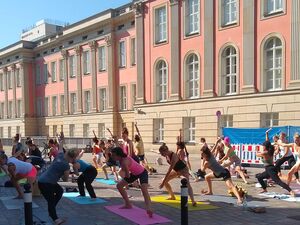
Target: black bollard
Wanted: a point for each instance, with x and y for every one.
(28, 205)
(184, 202)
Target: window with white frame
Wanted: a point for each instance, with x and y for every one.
(18, 77)
(1, 82)
(46, 106)
(229, 76)
(72, 66)
(37, 74)
(101, 130)
(1, 132)
(46, 73)
(161, 24)
(158, 129)
(54, 130)
(133, 95)
(53, 71)
(86, 62)
(2, 110)
(10, 107)
(123, 98)
(71, 130)
(273, 6)
(9, 132)
(273, 64)
(192, 17)
(133, 51)
(87, 101)
(269, 119)
(122, 54)
(9, 79)
(226, 121)
(62, 69)
(19, 108)
(39, 107)
(103, 99)
(102, 58)
(62, 104)
(192, 76)
(73, 102)
(189, 126)
(161, 81)
(229, 12)
(54, 105)
(18, 129)
(86, 130)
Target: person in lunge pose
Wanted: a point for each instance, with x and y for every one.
(132, 171)
(217, 172)
(109, 161)
(176, 169)
(270, 170)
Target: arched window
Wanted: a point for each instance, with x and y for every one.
(161, 81)
(273, 64)
(192, 76)
(229, 69)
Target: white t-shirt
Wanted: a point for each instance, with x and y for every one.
(21, 167)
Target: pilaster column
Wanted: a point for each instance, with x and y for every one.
(65, 56)
(25, 90)
(248, 62)
(295, 45)
(93, 45)
(6, 93)
(140, 54)
(174, 38)
(208, 48)
(78, 51)
(14, 89)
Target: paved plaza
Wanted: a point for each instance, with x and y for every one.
(277, 211)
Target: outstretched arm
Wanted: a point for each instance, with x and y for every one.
(95, 134)
(137, 129)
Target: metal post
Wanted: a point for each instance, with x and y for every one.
(28, 205)
(184, 202)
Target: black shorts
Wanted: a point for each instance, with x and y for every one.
(141, 157)
(225, 175)
(143, 177)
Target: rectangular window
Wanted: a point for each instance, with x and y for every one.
(225, 121)
(19, 108)
(269, 119)
(273, 6)
(53, 71)
(54, 130)
(229, 12)
(158, 129)
(101, 130)
(87, 101)
(189, 125)
(9, 80)
(103, 99)
(86, 62)
(102, 58)
(71, 130)
(192, 17)
(18, 129)
(1, 82)
(86, 130)
(37, 74)
(62, 69)
(122, 54)
(73, 107)
(18, 77)
(161, 25)
(10, 106)
(46, 106)
(2, 110)
(9, 132)
(62, 104)
(46, 73)
(72, 66)
(54, 105)
(133, 95)
(39, 107)
(133, 51)
(1, 132)
(123, 98)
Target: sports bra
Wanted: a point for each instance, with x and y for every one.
(180, 165)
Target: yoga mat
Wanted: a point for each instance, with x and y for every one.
(108, 182)
(73, 196)
(177, 204)
(137, 215)
(279, 196)
(11, 203)
(231, 200)
(2, 174)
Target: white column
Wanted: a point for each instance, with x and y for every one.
(78, 51)
(93, 45)
(65, 56)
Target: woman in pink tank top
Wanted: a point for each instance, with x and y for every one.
(132, 171)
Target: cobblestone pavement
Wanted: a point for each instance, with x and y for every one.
(278, 211)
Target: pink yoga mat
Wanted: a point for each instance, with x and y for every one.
(137, 215)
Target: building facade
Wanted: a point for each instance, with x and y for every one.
(199, 65)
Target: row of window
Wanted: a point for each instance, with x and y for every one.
(9, 79)
(229, 11)
(9, 131)
(10, 109)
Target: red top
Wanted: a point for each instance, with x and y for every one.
(96, 149)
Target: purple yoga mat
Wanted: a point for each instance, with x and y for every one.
(137, 215)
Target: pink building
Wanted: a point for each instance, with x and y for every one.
(165, 64)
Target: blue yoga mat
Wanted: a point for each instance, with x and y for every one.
(108, 182)
(73, 196)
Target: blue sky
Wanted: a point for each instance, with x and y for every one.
(16, 15)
